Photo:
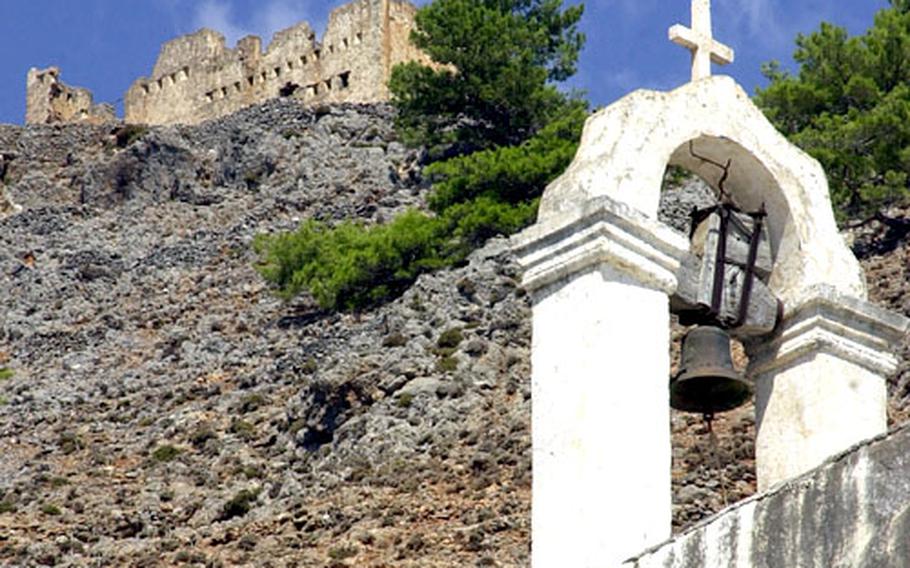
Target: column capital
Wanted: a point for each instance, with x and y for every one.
(825, 320)
(601, 232)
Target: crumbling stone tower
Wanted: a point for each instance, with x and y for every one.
(48, 100)
(198, 78)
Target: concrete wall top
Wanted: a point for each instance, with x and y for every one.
(852, 511)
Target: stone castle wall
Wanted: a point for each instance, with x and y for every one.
(197, 77)
(49, 100)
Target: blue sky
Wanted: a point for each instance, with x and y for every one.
(106, 44)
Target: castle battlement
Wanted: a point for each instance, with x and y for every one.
(197, 77)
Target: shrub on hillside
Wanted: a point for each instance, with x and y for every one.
(493, 192)
(491, 92)
(352, 265)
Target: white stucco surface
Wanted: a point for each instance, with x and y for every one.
(820, 383)
(599, 276)
(700, 41)
(600, 268)
(626, 147)
(852, 511)
(600, 422)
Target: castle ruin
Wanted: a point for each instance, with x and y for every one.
(49, 100)
(197, 77)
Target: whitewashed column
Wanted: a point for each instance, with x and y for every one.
(821, 384)
(600, 278)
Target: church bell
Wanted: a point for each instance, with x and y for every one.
(707, 381)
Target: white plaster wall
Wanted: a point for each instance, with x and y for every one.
(818, 406)
(600, 267)
(811, 409)
(821, 381)
(851, 512)
(600, 420)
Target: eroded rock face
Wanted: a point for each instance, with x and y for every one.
(7, 207)
(884, 250)
(164, 407)
(170, 408)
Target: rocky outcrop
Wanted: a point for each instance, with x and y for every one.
(160, 406)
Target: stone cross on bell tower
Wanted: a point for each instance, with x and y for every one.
(698, 39)
(603, 274)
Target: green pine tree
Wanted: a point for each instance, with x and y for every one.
(496, 61)
(849, 107)
(491, 103)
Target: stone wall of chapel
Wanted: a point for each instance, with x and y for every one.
(853, 510)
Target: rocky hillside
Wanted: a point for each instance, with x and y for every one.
(159, 406)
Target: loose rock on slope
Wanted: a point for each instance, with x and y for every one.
(164, 407)
(159, 406)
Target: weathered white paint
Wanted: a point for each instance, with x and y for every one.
(853, 510)
(626, 147)
(600, 417)
(804, 399)
(599, 267)
(864, 532)
(599, 276)
(724, 541)
(744, 533)
(700, 41)
(819, 384)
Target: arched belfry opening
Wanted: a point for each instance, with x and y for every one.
(626, 148)
(604, 274)
(746, 181)
(748, 184)
(713, 457)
